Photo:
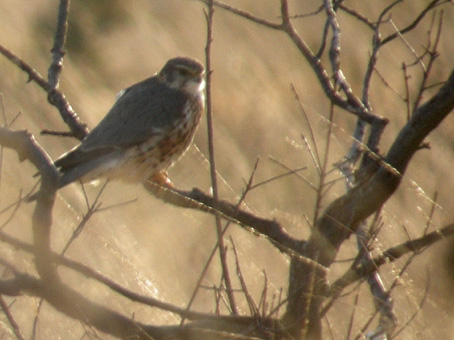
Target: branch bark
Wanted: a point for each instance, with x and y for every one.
(68, 301)
(342, 216)
(78, 128)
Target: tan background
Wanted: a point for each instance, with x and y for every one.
(157, 249)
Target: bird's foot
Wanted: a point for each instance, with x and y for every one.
(162, 179)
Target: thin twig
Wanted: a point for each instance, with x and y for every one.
(410, 48)
(198, 284)
(11, 320)
(243, 14)
(387, 84)
(358, 272)
(213, 172)
(415, 22)
(99, 277)
(253, 309)
(36, 319)
(274, 178)
(16, 206)
(92, 209)
(55, 97)
(353, 313)
(323, 169)
(417, 311)
(357, 15)
(316, 156)
(407, 91)
(300, 176)
(213, 252)
(433, 54)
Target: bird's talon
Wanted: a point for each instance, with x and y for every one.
(162, 179)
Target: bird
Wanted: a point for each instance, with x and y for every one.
(149, 127)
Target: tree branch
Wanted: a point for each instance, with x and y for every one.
(415, 22)
(196, 199)
(359, 271)
(54, 96)
(58, 50)
(76, 306)
(343, 216)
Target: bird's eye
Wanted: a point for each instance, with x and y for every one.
(184, 72)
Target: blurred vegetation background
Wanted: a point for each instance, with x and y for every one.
(158, 249)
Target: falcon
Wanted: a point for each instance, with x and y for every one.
(147, 130)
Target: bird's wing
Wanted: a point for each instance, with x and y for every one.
(143, 110)
(77, 156)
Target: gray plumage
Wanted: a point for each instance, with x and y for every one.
(165, 108)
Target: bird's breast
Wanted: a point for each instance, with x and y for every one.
(162, 150)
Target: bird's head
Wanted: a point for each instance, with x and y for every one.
(185, 74)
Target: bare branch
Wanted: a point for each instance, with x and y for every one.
(31, 72)
(351, 103)
(243, 14)
(344, 215)
(58, 50)
(383, 302)
(12, 322)
(253, 308)
(415, 22)
(55, 97)
(433, 54)
(213, 172)
(27, 148)
(357, 15)
(335, 49)
(77, 306)
(9, 287)
(196, 199)
(360, 271)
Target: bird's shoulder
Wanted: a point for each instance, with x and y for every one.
(152, 91)
(139, 111)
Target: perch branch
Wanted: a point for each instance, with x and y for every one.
(198, 200)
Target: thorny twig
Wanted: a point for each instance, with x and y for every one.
(55, 96)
